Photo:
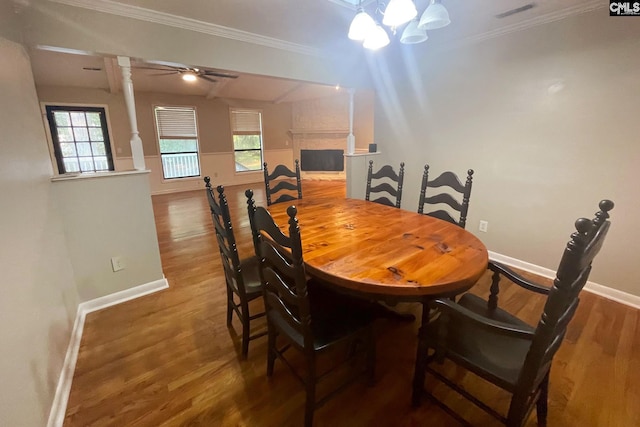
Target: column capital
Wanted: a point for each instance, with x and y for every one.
(124, 61)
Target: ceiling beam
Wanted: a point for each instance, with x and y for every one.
(283, 96)
(215, 88)
(111, 68)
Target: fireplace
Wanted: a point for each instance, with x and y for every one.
(322, 160)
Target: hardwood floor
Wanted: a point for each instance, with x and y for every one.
(168, 359)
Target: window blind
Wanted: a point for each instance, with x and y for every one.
(176, 122)
(245, 122)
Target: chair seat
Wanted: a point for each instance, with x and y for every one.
(251, 275)
(334, 317)
(486, 353)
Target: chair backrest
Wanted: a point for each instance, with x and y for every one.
(450, 180)
(388, 175)
(562, 302)
(282, 273)
(283, 174)
(226, 240)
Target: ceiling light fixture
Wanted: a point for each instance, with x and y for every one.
(189, 77)
(367, 29)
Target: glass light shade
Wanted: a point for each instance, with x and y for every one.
(361, 26)
(189, 77)
(413, 34)
(434, 17)
(399, 12)
(376, 39)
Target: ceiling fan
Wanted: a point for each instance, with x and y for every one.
(188, 73)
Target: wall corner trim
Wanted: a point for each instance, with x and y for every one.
(61, 398)
(595, 288)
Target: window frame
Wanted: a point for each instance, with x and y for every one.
(198, 151)
(233, 134)
(55, 151)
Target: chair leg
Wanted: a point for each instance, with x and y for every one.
(541, 404)
(245, 330)
(229, 306)
(310, 385)
(271, 350)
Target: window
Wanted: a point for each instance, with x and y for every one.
(178, 141)
(80, 139)
(246, 127)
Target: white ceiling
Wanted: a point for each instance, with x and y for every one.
(317, 25)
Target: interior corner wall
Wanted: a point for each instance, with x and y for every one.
(546, 118)
(39, 299)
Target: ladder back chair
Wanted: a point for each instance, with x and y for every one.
(387, 176)
(438, 201)
(303, 313)
(500, 347)
(242, 277)
(284, 189)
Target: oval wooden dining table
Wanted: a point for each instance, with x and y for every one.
(386, 253)
(378, 250)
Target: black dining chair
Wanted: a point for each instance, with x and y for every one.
(500, 347)
(384, 178)
(304, 314)
(448, 183)
(242, 277)
(284, 188)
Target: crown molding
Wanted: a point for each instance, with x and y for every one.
(148, 15)
(558, 15)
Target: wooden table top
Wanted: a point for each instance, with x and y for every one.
(370, 248)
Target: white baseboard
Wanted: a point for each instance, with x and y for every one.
(61, 398)
(595, 288)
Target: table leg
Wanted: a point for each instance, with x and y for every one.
(385, 312)
(421, 357)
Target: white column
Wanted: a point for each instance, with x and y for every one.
(351, 139)
(127, 86)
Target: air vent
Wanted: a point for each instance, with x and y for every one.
(516, 10)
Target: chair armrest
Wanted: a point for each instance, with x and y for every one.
(517, 279)
(502, 328)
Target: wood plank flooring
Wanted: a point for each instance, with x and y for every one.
(168, 359)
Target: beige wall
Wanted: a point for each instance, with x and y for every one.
(215, 139)
(9, 25)
(39, 298)
(106, 217)
(542, 157)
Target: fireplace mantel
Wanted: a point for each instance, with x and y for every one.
(306, 133)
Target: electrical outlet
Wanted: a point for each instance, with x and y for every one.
(484, 225)
(117, 263)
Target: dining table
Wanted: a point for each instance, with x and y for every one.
(384, 253)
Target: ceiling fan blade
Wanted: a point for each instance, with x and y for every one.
(170, 73)
(219, 74)
(209, 79)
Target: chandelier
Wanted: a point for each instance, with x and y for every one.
(368, 30)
